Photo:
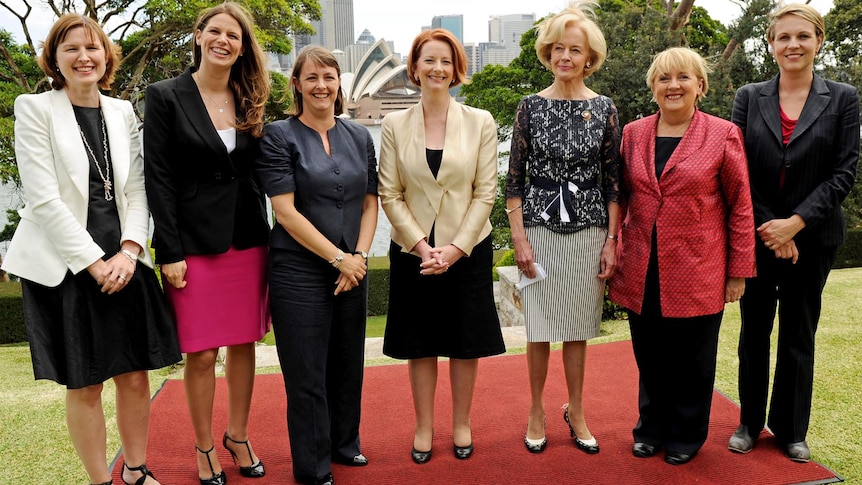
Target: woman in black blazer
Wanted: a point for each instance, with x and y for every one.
(802, 142)
(200, 138)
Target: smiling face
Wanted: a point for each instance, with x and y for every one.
(434, 69)
(81, 59)
(318, 85)
(570, 54)
(677, 91)
(794, 44)
(220, 41)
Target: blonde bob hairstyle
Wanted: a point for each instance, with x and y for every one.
(95, 33)
(459, 56)
(577, 14)
(683, 59)
(806, 12)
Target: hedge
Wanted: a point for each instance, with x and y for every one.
(12, 312)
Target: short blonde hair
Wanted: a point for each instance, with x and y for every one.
(806, 12)
(577, 14)
(681, 58)
(459, 55)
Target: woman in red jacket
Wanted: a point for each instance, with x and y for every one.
(686, 247)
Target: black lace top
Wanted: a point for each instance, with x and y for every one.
(562, 144)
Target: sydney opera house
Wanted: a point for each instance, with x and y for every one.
(378, 85)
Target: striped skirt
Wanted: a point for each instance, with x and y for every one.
(567, 305)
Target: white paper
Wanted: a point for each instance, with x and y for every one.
(540, 275)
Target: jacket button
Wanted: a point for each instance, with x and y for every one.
(339, 187)
(339, 204)
(337, 171)
(217, 176)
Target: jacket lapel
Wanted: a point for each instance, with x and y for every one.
(118, 141)
(818, 98)
(193, 107)
(769, 108)
(691, 142)
(419, 160)
(69, 143)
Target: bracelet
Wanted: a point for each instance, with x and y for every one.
(132, 256)
(337, 260)
(612, 238)
(362, 253)
(513, 209)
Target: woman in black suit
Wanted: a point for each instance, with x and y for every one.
(200, 137)
(802, 142)
(321, 175)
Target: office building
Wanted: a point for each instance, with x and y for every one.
(452, 23)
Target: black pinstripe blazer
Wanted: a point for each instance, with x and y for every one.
(820, 159)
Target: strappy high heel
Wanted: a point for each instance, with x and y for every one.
(143, 469)
(255, 470)
(590, 446)
(216, 479)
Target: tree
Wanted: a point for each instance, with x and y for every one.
(155, 34)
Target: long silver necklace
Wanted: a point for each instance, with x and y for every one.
(106, 176)
(220, 108)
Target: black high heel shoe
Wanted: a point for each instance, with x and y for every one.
(420, 457)
(216, 479)
(535, 446)
(590, 446)
(255, 470)
(463, 452)
(143, 469)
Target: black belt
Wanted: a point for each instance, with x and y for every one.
(564, 189)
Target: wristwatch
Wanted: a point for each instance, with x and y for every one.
(361, 253)
(338, 259)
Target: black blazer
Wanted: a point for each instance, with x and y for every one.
(203, 199)
(820, 160)
(329, 190)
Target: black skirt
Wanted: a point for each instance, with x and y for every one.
(449, 315)
(80, 336)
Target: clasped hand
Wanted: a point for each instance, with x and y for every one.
(438, 260)
(114, 274)
(777, 235)
(353, 268)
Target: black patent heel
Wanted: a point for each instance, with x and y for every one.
(216, 479)
(255, 470)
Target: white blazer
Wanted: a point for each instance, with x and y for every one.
(52, 236)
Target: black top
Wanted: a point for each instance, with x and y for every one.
(103, 219)
(664, 147)
(434, 158)
(565, 141)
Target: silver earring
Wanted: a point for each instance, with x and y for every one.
(589, 65)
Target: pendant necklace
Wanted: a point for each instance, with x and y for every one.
(106, 176)
(220, 108)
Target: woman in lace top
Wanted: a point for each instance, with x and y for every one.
(566, 140)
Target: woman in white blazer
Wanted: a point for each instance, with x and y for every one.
(79, 156)
(438, 181)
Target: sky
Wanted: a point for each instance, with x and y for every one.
(394, 20)
(400, 21)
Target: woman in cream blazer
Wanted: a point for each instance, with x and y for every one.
(438, 181)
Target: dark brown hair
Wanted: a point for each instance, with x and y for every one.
(249, 77)
(321, 56)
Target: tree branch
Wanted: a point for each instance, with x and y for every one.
(19, 79)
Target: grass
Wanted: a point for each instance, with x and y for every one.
(37, 450)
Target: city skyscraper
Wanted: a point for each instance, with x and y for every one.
(505, 31)
(452, 23)
(337, 22)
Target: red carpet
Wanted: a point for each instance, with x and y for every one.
(499, 419)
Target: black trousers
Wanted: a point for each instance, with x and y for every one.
(321, 349)
(796, 289)
(676, 360)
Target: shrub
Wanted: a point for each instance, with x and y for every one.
(11, 314)
(850, 253)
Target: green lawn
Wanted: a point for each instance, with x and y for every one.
(33, 430)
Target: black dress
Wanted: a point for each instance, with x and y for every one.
(451, 314)
(80, 336)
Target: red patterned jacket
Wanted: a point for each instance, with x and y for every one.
(701, 211)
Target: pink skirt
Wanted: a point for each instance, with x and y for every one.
(225, 301)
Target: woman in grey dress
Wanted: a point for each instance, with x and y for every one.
(566, 139)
